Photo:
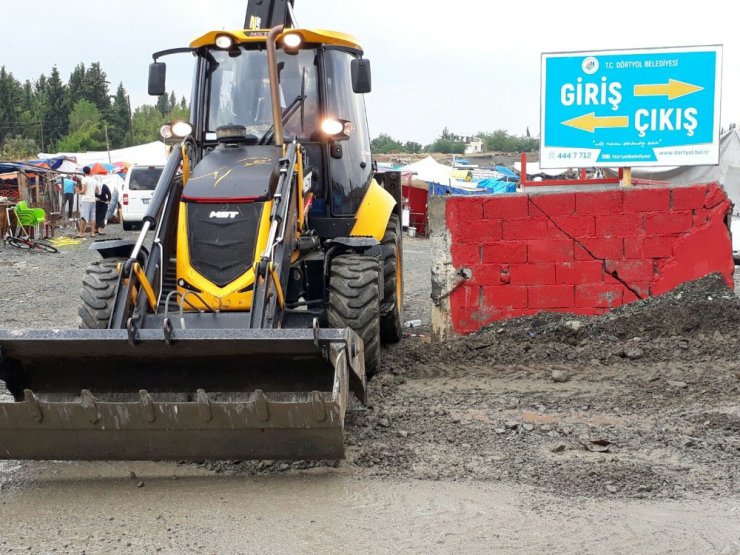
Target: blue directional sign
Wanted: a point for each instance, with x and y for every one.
(624, 108)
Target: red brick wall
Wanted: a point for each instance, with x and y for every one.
(581, 252)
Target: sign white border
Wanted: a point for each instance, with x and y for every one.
(588, 157)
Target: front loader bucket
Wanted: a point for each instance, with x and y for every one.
(209, 394)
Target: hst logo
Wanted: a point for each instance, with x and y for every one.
(223, 215)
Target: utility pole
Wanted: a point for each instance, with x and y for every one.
(107, 145)
(130, 122)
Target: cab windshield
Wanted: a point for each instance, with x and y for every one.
(240, 93)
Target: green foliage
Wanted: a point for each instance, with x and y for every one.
(86, 129)
(384, 144)
(18, 148)
(446, 146)
(501, 141)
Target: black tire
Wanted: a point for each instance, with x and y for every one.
(391, 308)
(44, 247)
(99, 293)
(17, 243)
(354, 302)
(127, 226)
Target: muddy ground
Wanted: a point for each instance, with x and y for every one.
(617, 434)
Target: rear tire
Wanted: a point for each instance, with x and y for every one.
(99, 293)
(391, 319)
(354, 302)
(127, 226)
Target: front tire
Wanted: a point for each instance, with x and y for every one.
(391, 319)
(354, 302)
(99, 293)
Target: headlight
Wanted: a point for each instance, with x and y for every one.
(332, 127)
(166, 131)
(224, 41)
(292, 41)
(182, 129)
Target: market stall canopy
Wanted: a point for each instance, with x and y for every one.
(149, 154)
(430, 170)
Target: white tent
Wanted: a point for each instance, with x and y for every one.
(430, 170)
(149, 154)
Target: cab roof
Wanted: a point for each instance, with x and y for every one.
(246, 36)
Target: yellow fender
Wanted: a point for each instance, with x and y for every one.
(374, 213)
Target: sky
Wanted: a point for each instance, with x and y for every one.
(469, 65)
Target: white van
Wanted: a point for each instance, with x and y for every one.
(138, 188)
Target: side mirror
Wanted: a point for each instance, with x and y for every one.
(361, 78)
(157, 78)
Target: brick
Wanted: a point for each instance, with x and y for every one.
(647, 200)
(505, 252)
(452, 213)
(550, 250)
(652, 246)
(481, 231)
(600, 247)
(576, 273)
(526, 228)
(636, 292)
(465, 254)
(715, 196)
(689, 198)
(574, 226)
(665, 223)
(465, 297)
(505, 297)
(485, 274)
(470, 209)
(506, 207)
(598, 296)
(599, 202)
(552, 204)
(532, 274)
(551, 296)
(619, 225)
(631, 270)
(703, 251)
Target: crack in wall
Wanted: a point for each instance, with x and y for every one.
(613, 274)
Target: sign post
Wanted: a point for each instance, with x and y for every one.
(630, 108)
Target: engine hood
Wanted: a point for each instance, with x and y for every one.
(233, 174)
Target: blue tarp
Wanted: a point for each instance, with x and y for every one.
(496, 186)
(503, 170)
(437, 189)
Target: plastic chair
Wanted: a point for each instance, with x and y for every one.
(30, 217)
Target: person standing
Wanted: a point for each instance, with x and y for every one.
(102, 198)
(87, 190)
(68, 188)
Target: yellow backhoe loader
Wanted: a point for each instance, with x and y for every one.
(265, 278)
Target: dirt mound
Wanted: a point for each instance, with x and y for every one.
(698, 321)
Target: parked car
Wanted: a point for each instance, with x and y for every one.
(138, 188)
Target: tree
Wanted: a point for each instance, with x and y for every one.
(119, 119)
(146, 123)
(385, 144)
(97, 89)
(56, 117)
(446, 146)
(412, 147)
(163, 105)
(11, 93)
(18, 148)
(85, 129)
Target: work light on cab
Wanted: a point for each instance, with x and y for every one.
(224, 41)
(292, 42)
